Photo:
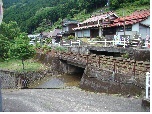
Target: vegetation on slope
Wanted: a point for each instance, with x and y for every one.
(42, 15)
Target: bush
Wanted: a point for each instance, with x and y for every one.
(70, 37)
(61, 49)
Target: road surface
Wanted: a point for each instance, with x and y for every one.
(66, 100)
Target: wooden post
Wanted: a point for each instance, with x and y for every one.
(99, 62)
(124, 43)
(87, 59)
(114, 68)
(105, 43)
(134, 68)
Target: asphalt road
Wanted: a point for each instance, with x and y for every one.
(66, 100)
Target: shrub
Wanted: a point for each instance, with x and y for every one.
(70, 37)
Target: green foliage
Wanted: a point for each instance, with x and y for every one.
(13, 43)
(4, 47)
(10, 30)
(21, 48)
(126, 55)
(100, 38)
(43, 15)
(48, 40)
(30, 14)
(61, 49)
(115, 4)
(46, 48)
(71, 37)
(16, 65)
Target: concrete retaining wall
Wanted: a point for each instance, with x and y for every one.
(12, 80)
(100, 80)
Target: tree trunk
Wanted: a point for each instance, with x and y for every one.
(23, 64)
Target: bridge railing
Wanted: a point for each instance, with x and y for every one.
(90, 42)
(147, 85)
(106, 43)
(71, 43)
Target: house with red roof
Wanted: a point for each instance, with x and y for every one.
(92, 27)
(138, 23)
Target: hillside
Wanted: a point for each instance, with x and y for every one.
(43, 15)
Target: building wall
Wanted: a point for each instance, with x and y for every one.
(82, 33)
(71, 26)
(135, 27)
(146, 22)
(66, 28)
(144, 31)
(131, 33)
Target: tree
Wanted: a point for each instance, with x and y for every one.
(21, 48)
(4, 47)
(10, 30)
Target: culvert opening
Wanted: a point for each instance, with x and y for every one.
(68, 80)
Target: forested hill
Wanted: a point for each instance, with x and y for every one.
(39, 15)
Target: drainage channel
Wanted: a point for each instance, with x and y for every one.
(58, 82)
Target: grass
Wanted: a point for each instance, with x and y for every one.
(130, 9)
(16, 65)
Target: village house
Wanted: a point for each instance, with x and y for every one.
(54, 33)
(109, 25)
(67, 26)
(138, 23)
(93, 27)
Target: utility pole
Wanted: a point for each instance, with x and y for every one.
(124, 22)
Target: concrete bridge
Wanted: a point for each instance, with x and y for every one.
(114, 64)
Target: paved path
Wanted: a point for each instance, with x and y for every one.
(66, 100)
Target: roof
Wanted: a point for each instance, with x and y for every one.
(54, 33)
(134, 18)
(104, 16)
(99, 17)
(45, 34)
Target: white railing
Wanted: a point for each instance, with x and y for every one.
(64, 43)
(147, 85)
(76, 42)
(106, 42)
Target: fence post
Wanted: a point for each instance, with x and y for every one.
(105, 43)
(147, 84)
(71, 43)
(113, 42)
(124, 43)
(99, 61)
(87, 59)
(134, 68)
(79, 43)
(114, 69)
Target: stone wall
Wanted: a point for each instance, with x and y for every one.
(12, 79)
(102, 80)
(8, 79)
